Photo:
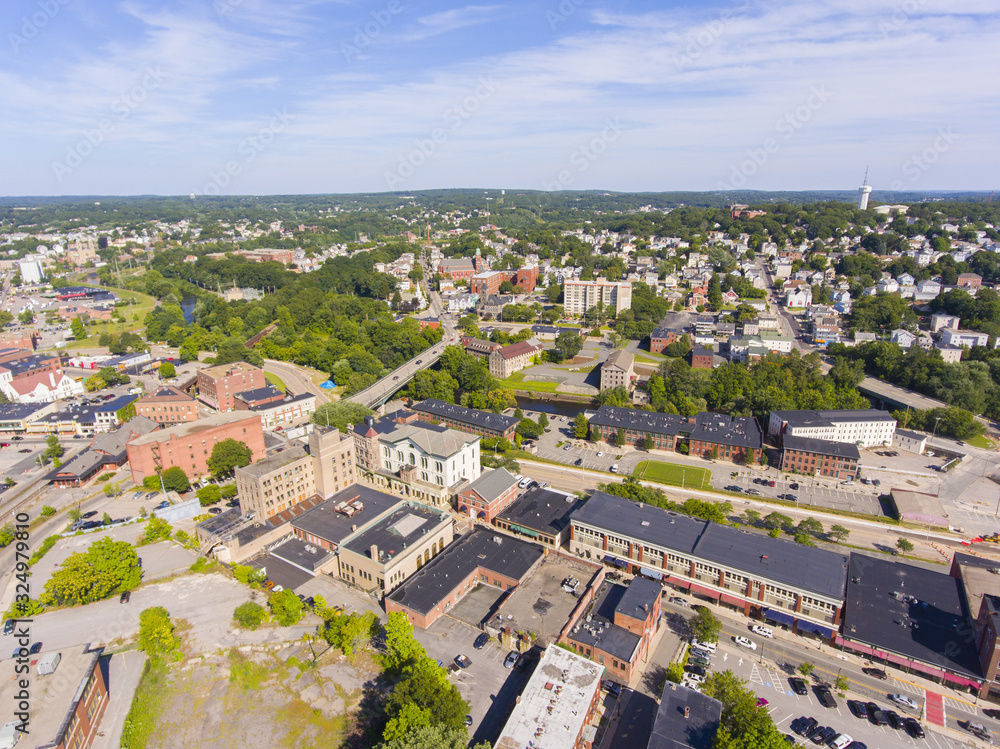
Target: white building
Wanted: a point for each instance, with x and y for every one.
(580, 296)
(31, 269)
(940, 320)
(865, 427)
(968, 338)
(443, 457)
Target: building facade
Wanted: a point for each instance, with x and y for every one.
(581, 296)
(488, 495)
(471, 420)
(189, 446)
(218, 386)
(814, 457)
(618, 371)
(167, 405)
(863, 427)
(507, 360)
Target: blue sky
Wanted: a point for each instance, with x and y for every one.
(313, 96)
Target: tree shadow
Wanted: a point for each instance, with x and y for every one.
(654, 679)
(369, 718)
(678, 624)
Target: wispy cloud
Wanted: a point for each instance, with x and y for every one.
(454, 19)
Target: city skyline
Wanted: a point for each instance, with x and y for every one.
(250, 97)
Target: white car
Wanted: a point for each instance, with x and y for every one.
(902, 699)
(760, 629)
(523, 483)
(841, 741)
(696, 678)
(745, 642)
(600, 453)
(708, 647)
(614, 468)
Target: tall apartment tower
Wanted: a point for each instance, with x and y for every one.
(865, 190)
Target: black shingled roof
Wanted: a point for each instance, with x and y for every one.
(541, 510)
(821, 447)
(739, 431)
(473, 416)
(510, 557)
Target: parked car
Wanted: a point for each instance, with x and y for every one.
(612, 687)
(894, 720)
(468, 720)
(511, 659)
(462, 661)
(36, 648)
(745, 642)
(734, 488)
(876, 716)
(695, 669)
(761, 702)
(793, 486)
(679, 601)
(699, 660)
(840, 741)
(8, 627)
(858, 709)
(805, 726)
(614, 468)
(978, 730)
(755, 492)
(481, 641)
(163, 505)
(125, 597)
(913, 728)
(825, 696)
(798, 685)
(709, 647)
(760, 629)
(822, 735)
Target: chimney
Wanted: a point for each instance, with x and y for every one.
(374, 552)
(687, 712)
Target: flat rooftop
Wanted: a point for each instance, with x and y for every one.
(274, 462)
(821, 447)
(542, 511)
(552, 709)
(911, 611)
(300, 554)
(642, 421)
(194, 427)
(829, 418)
(403, 526)
(52, 696)
(596, 627)
(334, 525)
(473, 416)
(481, 548)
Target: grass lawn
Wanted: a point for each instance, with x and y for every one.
(275, 380)
(674, 474)
(516, 382)
(982, 441)
(651, 358)
(138, 305)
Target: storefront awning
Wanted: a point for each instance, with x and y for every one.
(807, 626)
(778, 616)
(615, 561)
(651, 574)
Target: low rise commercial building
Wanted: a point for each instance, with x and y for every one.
(766, 578)
(276, 409)
(557, 708)
(107, 452)
(480, 348)
(15, 417)
(482, 557)
(188, 446)
(471, 420)
(541, 515)
(685, 719)
(863, 427)
(218, 386)
(85, 419)
(912, 442)
(665, 429)
(815, 457)
(488, 495)
(735, 438)
(26, 377)
(167, 405)
(662, 337)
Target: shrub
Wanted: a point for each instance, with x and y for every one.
(250, 615)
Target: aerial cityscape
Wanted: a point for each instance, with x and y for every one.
(542, 375)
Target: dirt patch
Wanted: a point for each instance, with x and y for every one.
(261, 696)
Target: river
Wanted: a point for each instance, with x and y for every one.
(187, 307)
(557, 408)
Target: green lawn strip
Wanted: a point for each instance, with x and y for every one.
(674, 474)
(981, 441)
(150, 697)
(275, 380)
(517, 382)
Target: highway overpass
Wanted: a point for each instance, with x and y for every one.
(383, 390)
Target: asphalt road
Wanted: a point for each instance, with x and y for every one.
(295, 379)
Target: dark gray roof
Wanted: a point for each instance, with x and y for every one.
(27, 363)
(829, 418)
(334, 526)
(283, 402)
(739, 431)
(643, 421)
(702, 351)
(268, 391)
(492, 483)
(665, 332)
(18, 411)
(925, 626)
(542, 510)
(473, 416)
(822, 447)
(114, 443)
(639, 598)
(671, 730)
(405, 525)
(509, 557)
(804, 567)
(297, 552)
(600, 631)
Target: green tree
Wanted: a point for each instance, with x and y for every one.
(648, 443)
(26, 317)
(167, 370)
(426, 687)
(340, 414)
(227, 456)
(286, 607)
(48, 511)
(543, 420)
(806, 668)
(620, 437)
(209, 495)
(249, 615)
(675, 672)
(401, 648)
(105, 568)
(53, 449)
(567, 345)
(743, 724)
(156, 633)
(777, 521)
(432, 737)
(157, 529)
(841, 684)
(809, 527)
(175, 480)
(228, 491)
(581, 427)
(351, 633)
(151, 483)
(904, 545)
(76, 327)
(705, 626)
(838, 533)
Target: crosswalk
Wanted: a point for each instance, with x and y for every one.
(905, 686)
(769, 678)
(960, 705)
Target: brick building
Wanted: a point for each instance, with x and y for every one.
(488, 282)
(513, 358)
(735, 438)
(817, 457)
(702, 358)
(189, 446)
(218, 386)
(167, 405)
(660, 338)
(487, 496)
(274, 407)
(665, 429)
(472, 420)
(480, 348)
(540, 514)
(457, 269)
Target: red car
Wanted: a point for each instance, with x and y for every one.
(770, 483)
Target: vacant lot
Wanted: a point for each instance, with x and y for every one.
(674, 474)
(295, 703)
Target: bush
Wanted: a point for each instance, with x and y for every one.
(286, 607)
(250, 615)
(209, 495)
(157, 529)
(156, 632)
(48, 511)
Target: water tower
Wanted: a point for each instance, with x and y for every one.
(865, 190)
